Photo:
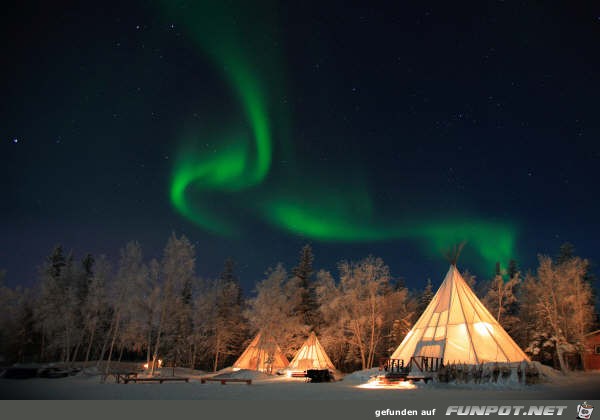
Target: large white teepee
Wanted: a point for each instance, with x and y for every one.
(262, 354)
(311, 356)
(458, 328)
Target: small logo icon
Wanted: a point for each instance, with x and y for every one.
(584, 411)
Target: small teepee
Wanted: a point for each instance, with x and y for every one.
(311, 356)
(457, 327)
(262, 354)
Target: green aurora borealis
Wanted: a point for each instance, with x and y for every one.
(210, 185)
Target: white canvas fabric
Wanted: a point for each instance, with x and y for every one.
(458, 328)
(311, 356)
(262, 354)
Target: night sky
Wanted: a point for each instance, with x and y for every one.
(390, 129)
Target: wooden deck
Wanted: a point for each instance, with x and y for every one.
(156, 379)
(225, 380)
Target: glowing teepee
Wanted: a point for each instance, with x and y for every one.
(311, 356)
(457, 327)
(262, 354)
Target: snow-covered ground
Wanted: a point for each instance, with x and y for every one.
(578, 385)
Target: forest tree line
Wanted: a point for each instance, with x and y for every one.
(89, 310)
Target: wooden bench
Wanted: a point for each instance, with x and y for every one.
(225, 380)
(120, 376)
(298, 374)
(155, 379)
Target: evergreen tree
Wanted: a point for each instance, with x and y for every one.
(228, 277)
(87, 265)
(566, 252)
(399, 312)
(513, 269)
(55, 262)
(424, 298)
(303, 272)
(229, 325)
(56, 311)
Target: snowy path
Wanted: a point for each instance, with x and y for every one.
(578, 386)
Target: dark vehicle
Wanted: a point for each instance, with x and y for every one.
(319, 375)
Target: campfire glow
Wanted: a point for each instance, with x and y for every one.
(377, 384)
(159, 364)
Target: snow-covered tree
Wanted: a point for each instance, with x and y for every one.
(131, 268)
(559, 307)
(361, 306)
(500, 299)
(331, 334)
(399, 316)
(273, 309)
(146, 306)
(57, 308)
(177, 271)
(95, 307)
(365, 316)
(219, 309)
(230, 326)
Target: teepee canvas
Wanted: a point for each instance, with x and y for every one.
(311, 356)
(262, 354)
(458, 328)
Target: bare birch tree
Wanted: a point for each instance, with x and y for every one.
(561, 304)
(361, 305)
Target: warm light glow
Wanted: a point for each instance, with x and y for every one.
(377, 384)
(483, 328)
(160, 362)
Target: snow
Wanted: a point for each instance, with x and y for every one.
(87, 385)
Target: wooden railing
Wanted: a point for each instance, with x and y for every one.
(422, 363)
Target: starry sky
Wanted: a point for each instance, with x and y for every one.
(377, 128)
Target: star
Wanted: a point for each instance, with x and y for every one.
(15, 140)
